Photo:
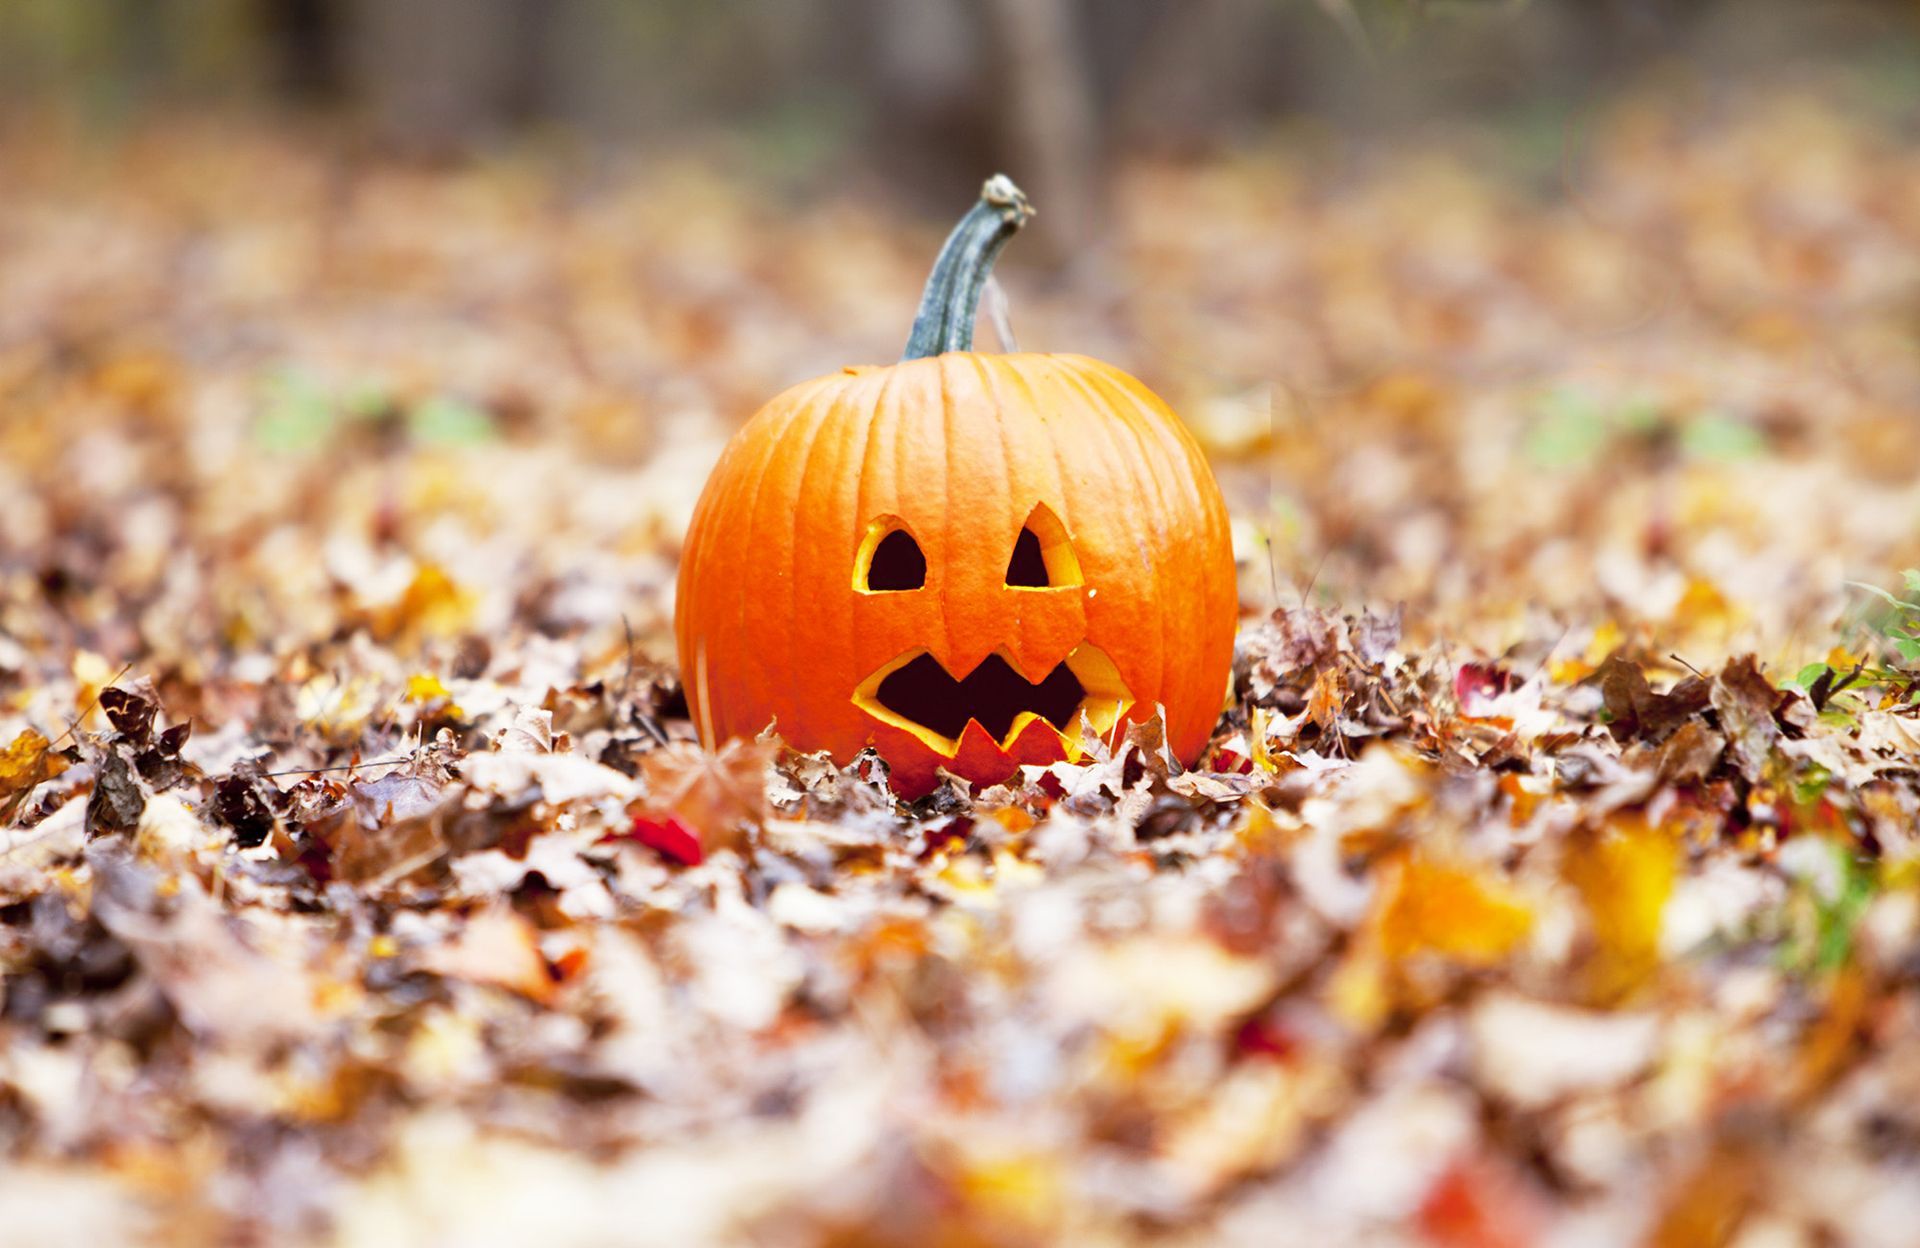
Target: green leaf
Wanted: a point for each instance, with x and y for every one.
(297, 415)
(1811, 783)
(1804, 678)
(1831, 891)
(446, 421)
(1840, 919)
(1712, 435)
(1572, 429)
(1638, 415)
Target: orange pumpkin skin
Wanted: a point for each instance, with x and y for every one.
(775, 628)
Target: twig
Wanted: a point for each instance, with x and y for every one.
(73, 725)
(1690, 667)
(314, 771)
(626, 679)
(1315, 578)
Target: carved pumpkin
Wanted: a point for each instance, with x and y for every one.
(964, 559)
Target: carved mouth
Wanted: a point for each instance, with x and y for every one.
(917, 694)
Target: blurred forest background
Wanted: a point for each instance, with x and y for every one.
(931, 91)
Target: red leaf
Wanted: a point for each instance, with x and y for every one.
(1263, 1038)
(1477, 684)
(1232, 761)
(668, 836)
(1472, 1205)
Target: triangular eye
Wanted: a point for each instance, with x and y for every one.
(896, 564)
(1028, 566)
(1043, 555)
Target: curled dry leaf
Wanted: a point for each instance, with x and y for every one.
(1746, 702)
(387, 828)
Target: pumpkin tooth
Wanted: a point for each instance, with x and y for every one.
(916, 693)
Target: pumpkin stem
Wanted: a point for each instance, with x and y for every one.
(952, 297)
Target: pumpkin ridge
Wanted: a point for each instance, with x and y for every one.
(1148, 464)
(1175, 439)
(864, 505)
(741, 606)
(749, 609)
(815, 437)
(1220, 587)
(1153, 564)
(946, 505)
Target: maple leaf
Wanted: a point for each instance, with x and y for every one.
(715, 794)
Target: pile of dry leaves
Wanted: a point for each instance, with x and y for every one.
(360, 882)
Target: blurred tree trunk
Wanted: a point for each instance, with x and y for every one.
(921, 65)
(302, 48)
(437, 73)
(1196, 68)
(1048, 117)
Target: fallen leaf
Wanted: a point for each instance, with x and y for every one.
(1624, 874)
(669, 836)
(1452, 911)
(498, 948)
(27, 761)
(1746, 702)
(715, 794)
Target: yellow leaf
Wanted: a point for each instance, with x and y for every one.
(1625, 877)
(91, 674)
(1024, 1188)
(1263, 754)
(1328, 695)
(1606, 639)
(25, 763)
(1258, 832)
(432, 606)
(1360, 989)
(426, 689)
(1703, 604)
(1452, 911)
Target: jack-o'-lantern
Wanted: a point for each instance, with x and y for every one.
(965, 559)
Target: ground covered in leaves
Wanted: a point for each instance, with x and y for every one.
(1551, 880)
